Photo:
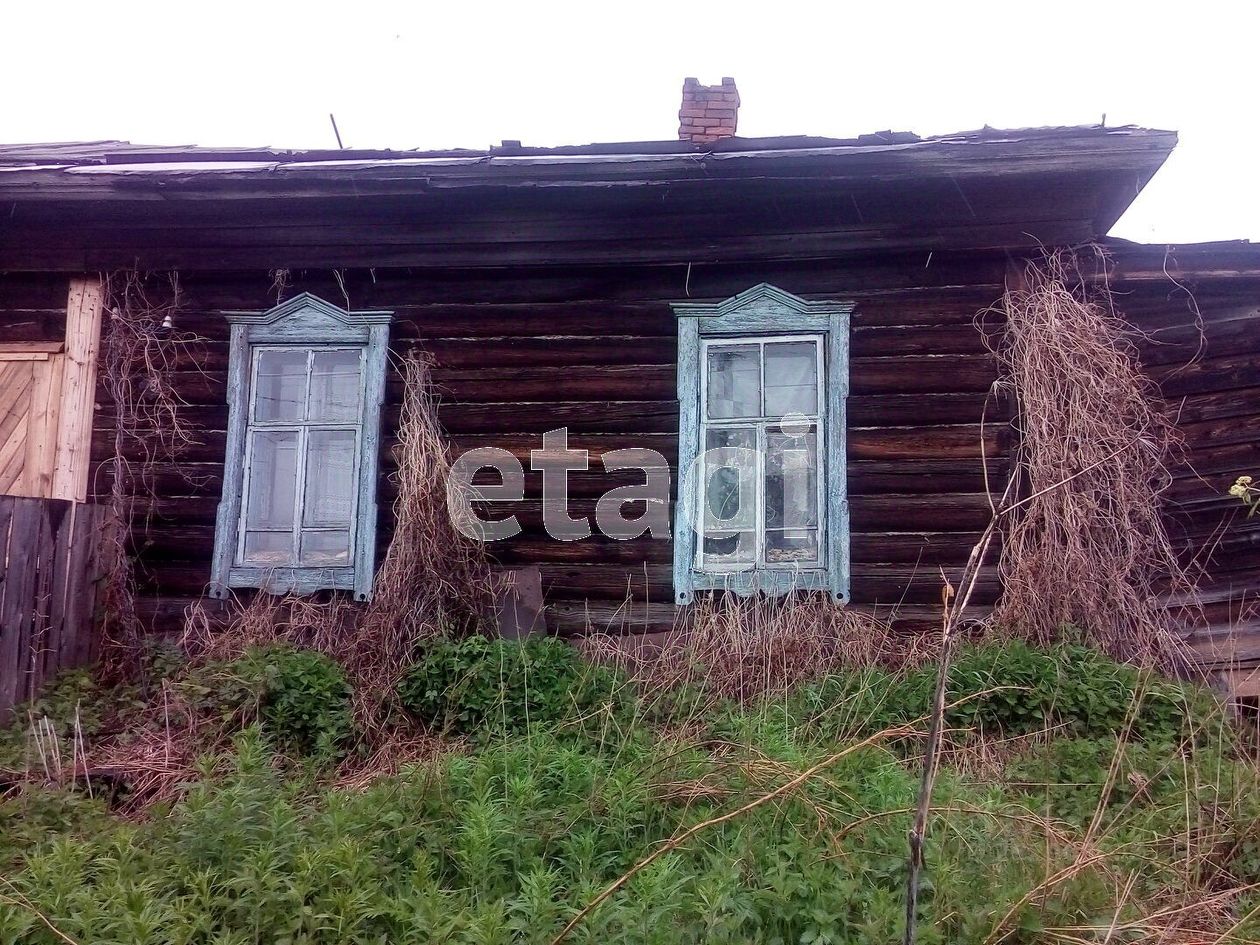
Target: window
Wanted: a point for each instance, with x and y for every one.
(298, 513)
(762, 380)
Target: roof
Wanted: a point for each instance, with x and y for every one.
(729, 200)
(965, 153)
(124, 152)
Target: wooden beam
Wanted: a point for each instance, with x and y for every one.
(78, 384)
(32, 347)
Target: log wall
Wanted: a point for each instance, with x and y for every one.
(1199, 312)
(520, 352)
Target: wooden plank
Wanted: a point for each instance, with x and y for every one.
(62, 637)
(1243, 683)
(80, 587)
(1208, 374)
(106, 542)
(83, 337)
(41, 661)
(16, 381)
(31, 347)
(8, 635)
(19, 586)
(42, 427)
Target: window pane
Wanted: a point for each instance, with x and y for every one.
(272, 479)
(335, 387)
(791, 477)
(329, 477)
(734, 382)
(792, 545)
(268, 549)
(280, 382)
(326, 549)
(730, 469)
(735, 548)
(792, 378)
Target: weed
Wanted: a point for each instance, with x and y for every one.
(482, 685)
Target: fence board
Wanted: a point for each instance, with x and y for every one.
(50, 572)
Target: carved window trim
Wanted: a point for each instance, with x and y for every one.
(764, 310)
(303, 322)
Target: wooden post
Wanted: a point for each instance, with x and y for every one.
(78, 386)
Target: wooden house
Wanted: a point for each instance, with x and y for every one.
(666, 295)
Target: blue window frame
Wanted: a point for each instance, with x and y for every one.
(298, 513)
(762, 504)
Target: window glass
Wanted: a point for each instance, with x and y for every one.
(791, 469)
(791, 379)
(272, 483)
(308, 390)
(335, 387)
(734, 381)
(330, 477)
(730, 496)
(280, 385)
(268, 549)
(791, 506)
(795, 546)
(326, 548)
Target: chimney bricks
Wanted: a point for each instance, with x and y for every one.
(709, 112)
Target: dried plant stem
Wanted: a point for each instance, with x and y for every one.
(22, 902)
(955, 603)
(434, 579)
(675, 842)
(746, 648)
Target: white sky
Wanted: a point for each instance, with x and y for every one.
(407, 75)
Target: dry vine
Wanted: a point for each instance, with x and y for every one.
(1092, 552)
(141, 349)
(434, 578)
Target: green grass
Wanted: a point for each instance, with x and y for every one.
(506, 842)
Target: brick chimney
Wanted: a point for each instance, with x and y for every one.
(709, 112)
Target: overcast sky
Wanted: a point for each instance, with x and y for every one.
(419, 75)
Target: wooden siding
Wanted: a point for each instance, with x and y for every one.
(520, 352)
(52, 569)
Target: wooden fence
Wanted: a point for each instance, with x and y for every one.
(52, 569)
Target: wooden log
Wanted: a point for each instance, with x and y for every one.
(1204, 375)
(172, 483)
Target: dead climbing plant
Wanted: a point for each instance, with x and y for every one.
(142, 348)
(434, 578)
(744, 649)
(1087, 546)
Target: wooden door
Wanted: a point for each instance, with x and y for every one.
(30, 399)
(47, 401)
